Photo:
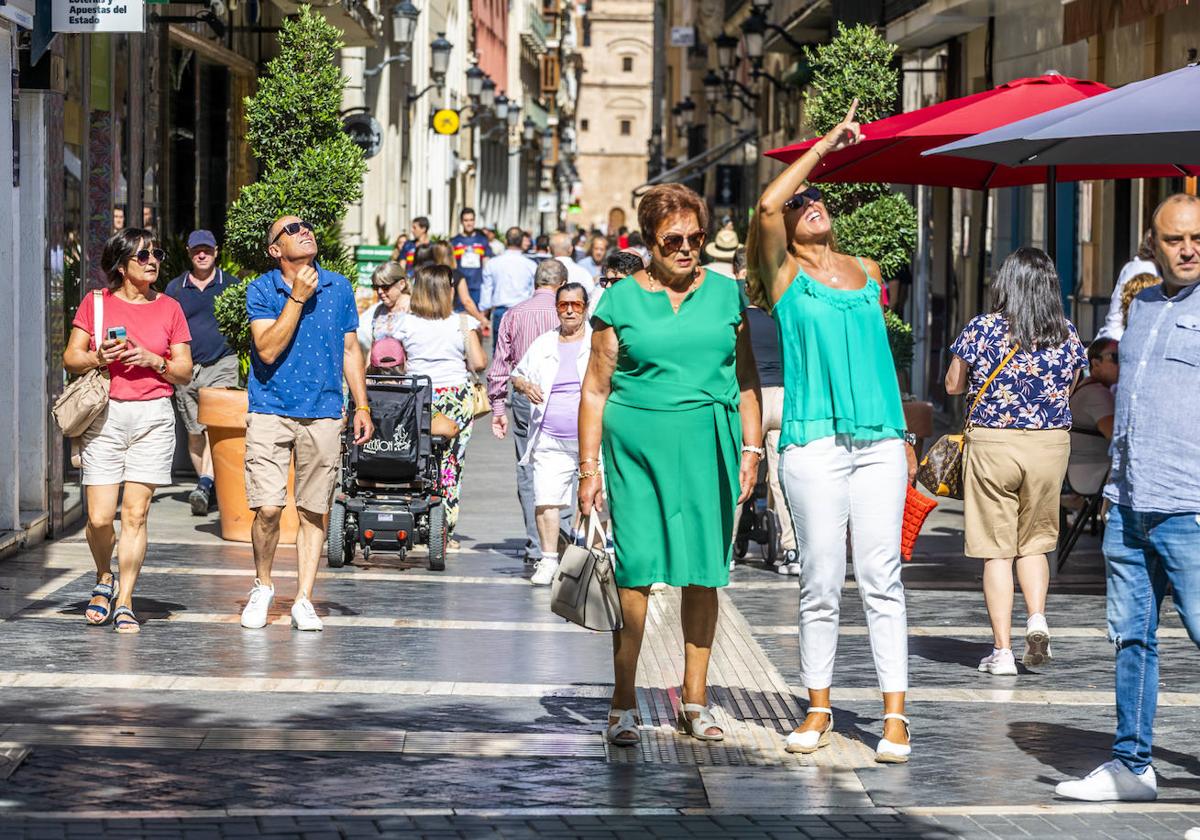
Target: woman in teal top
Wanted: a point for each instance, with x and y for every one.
(671, 392)
(844, 464)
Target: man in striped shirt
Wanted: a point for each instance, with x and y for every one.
(518, 328)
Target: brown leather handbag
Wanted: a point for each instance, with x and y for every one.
(941, 470)
(84, 400)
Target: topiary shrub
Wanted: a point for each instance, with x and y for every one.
(869, 219)
(309, 167)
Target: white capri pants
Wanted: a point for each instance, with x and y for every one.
(555, 471)
(829, 484)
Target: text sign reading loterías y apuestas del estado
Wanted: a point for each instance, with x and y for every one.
(99, 16)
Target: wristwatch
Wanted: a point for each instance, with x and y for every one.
(162, 368)
(910, 438)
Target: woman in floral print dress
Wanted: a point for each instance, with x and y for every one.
(1018, 445)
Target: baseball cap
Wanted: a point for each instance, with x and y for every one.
(202, 237)
(387, 353)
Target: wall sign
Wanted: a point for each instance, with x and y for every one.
(365, 131)
(446, 121)
(683, 36)
(99, 16)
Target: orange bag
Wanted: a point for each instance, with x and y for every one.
(917, 507)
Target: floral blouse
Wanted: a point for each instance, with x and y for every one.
(1033, 391)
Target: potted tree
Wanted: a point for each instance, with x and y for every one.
(870, 220)
(309, 168)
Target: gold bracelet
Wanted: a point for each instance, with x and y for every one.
(365, 408)
(588, 473)
(589, 461)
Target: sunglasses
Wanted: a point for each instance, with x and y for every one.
(673, 242)
(802, 199)
(291, 229)
(143, 256)
(383, 287)
(565, 306)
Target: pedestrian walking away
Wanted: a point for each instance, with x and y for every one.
(507, 281)
(214, 364)
(141, 338)
(562, 249)
(444, 345)
(549, 375)
(303, 329)
(671, 392)
(842, 439)
(442, 254)
(517, 331)
(1019, 363)
(470, 252)
(1152, 537)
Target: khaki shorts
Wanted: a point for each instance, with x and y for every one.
(1012, 481)
(270, 443)
(223, 373)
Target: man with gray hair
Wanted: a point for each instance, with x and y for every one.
(1153, 533)
(516, 331)
(563, 250)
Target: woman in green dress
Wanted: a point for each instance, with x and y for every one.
(671, 392)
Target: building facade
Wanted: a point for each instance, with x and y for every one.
(614, 121)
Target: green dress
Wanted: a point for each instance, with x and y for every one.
(672, 432)
(838, 373)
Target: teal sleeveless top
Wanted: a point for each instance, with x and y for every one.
(838, 373)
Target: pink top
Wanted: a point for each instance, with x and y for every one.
(561, 419)
(155, 326)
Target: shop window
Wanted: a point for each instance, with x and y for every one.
(626, 128)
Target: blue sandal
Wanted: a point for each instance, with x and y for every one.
(107, 591)
(124, 621)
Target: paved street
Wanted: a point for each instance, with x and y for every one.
(455, 704)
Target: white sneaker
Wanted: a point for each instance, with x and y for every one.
(254, 615)
(790, 558)
(1112, 781)
(793, 569)
(1037, 641)
(304, 615)
(1192, 834)
(999, 663)
(543, 573)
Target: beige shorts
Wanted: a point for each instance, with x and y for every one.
(1012, 481)
(271, 442)
(223, 373)
(134, 440)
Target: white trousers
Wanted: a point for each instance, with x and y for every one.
(830, 484)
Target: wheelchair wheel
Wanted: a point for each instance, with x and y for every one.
(437, 538)
(771, 546)
(339, 550)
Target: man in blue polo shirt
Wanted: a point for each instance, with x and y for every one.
(302, 325)
(470, 252)
(214, 364)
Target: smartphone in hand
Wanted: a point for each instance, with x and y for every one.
(115, 334)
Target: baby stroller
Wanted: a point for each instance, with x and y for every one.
(759, 523)
(389, 497)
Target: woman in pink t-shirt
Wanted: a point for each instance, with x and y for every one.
(143, 340)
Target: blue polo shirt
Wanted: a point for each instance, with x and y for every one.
(306, 380)
(208, 344)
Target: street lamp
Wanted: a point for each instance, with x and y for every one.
(513, 117)
(529, 128)
(440, 60)
(474, 81)
(687, 109)
(404, 23)
(677, 115)
(487, 92)
(726, 51)
(761, 6)
(712, 87)
(754, 30)
(501, 107)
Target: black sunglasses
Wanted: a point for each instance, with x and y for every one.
(291, 229)
(143, 256)
(383, 287)
(802, 199)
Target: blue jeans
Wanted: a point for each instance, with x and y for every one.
(1144, 552)
(497, 314)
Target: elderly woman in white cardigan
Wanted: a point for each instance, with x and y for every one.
(550, 374)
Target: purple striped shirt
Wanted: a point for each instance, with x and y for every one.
(518, 328)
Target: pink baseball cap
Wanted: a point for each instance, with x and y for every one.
(387, 353)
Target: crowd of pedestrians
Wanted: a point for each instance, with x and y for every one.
(648, 376)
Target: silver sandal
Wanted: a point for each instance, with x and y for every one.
(698, 726)
(626, 725)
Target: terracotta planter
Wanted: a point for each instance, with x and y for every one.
(223, 411)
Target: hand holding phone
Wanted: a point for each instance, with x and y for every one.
(116, 334)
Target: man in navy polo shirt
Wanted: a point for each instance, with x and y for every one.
(470, 252)
(302, 325)
(214, 364)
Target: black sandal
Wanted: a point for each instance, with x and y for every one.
(107, 591)
(124, 621)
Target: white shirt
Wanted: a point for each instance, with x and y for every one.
(1114, 322)
(540, 366)
(507, 280)
(435, 348)
(578, 274)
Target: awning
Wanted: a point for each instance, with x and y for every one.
(694, 166)
(359, 24)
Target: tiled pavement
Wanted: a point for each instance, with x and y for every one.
(456, 705)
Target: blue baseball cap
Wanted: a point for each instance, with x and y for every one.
(201, 237)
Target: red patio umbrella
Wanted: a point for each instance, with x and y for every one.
(890, 151)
